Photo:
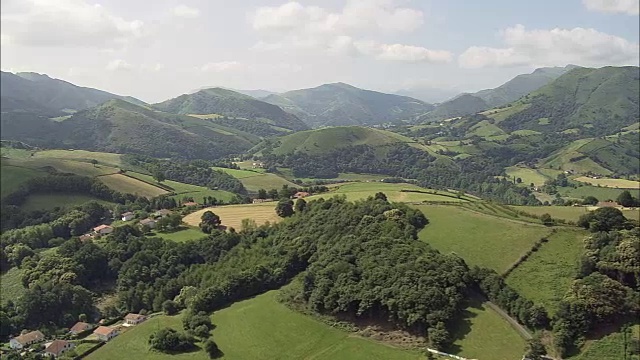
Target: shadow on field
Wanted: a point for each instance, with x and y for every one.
(462, 323)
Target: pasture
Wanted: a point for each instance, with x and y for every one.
(570, 213)
(50, 201)
(126, 184)
(265, 181)
(610, 183)
(257, 328)
(480, 333)
(182, 189)
(610, 347)
(81, 156)
(184, 234)
(362, 190)
(548, 273)
(239, 174)
(480, 239)
(528, 176)
(11, 285)
(601, 193)
(12, 177)
(232, 215)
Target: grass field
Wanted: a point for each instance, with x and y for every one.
(239, 174)
(125, 184)
(610, 347)
(50, 201)
(548, 273)
(256, 329)
(232, 215)
(479, 239)
(12, 177)
(81, 155)
(569, 213)
(182, 235)
(612, 183)
(482, 334)
(182, 189)
(357, 191)
(601, 193)
(11, 285)
(527, 175)
(265, 181)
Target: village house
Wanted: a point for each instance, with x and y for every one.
(134, 319)
(190, 203)
(148, 222)
(608, 204)
(58, 347)
(128, 216)
(300, 195)
(25, 340)
(162, 213)
(79, 327)
(260, 201)
(86, 237)
(105, 333)
(103, 229)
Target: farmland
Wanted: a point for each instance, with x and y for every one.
(257, 328)
(548, 273)
(357, 191)
(528, 176)
(611, 183)
(232, 215)
(182, 235)
(50, 201)
(601, 193)
(569, 213)
(182, 190)
(480, 239)
(11, 177)
(611, 346)
(256, 179)
(130, 185)
(482, 334)
(11, 284)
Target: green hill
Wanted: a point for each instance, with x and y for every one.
(328, 139)
(121, 127)
(343, 104)
(593, 102)
(41, 94)
(231, 104)
(464, 104)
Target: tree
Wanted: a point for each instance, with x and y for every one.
(603, 219)
(170, 307)
(625, 199)
(301, 204)
(212, 349)
(590, 200)
(169, 340)
(546, 219)
(380, 196)
(209, 221)
(82, 317)
(273, 194)
(438, 336)
(284, 208)
(94, 162)
(535, 349)
(159, 176)
(262, 194)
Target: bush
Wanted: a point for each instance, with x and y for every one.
(170, 307)
(212, 349)
(169, 340)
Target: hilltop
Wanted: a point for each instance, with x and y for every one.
(343, 104)
(39, 93)
(223, 102)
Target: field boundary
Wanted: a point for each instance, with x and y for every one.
(535, 247)
(158, 185)
(513, 322)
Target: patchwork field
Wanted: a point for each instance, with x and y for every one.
(480, 239)
(483, 334)
(568, 213)
(258, 328)
(548, 273)
(232, 215)
(357, 191)
(129, 185)
(601, 193)
(612, 183)
(12, 177)
(50, 201)
(182, 190)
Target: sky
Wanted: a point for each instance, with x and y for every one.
(161, 49)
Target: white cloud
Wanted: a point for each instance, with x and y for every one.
(67, 23)
(356, 15)
(554, 47)
(629, 7)
(221, 66)
(152, 67)
(185, 11)
(118, 64)
(405, 53)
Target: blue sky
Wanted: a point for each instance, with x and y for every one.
(160, 51)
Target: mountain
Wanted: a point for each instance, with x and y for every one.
(430, 95)
(512, 90)
(590, 101)
(256, 93)
(343, 104)
(223, 102)
(328, 139)
(121, 127)
(521, 85)
(41, 94)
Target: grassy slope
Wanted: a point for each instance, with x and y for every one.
(612, 183)
(258, 328)
(479, 239)
(547, 274)
(232, 215)
(527, 175)
(11, 285)
(182, 235)
(50, 201)
(569, 213)
(11, 177)
(356, 191)
(482, 334)
(610, 347)
(125, 184)
(601, 193)
(181, 189)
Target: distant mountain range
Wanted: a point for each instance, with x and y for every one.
(343, 104)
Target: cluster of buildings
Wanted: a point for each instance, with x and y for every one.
(56, 348)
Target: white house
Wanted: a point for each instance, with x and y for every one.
(128, 216)
(58, 347)
(103, 229)
(148, 222)
(134, 319)
(105, 333)
(25, 340)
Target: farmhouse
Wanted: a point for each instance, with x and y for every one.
(103, 229)
(148, 222)
(162, 213)
(607, 204)
(79, 327)
(57, 347)
(190, 203)
(105, 333)
(300, 195)
(25, 340)
(86, 237)
(134, 319)
(260, 201)
(128, 216)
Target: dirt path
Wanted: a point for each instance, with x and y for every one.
(515, 324)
